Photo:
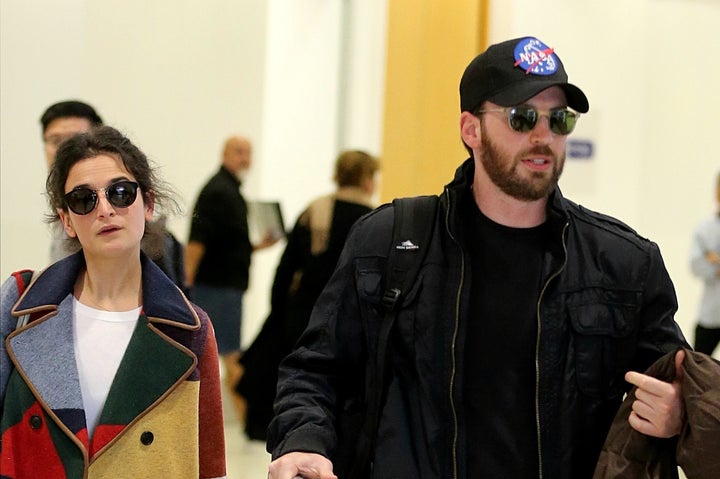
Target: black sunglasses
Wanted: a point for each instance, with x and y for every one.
(524, 118)
(83, 200)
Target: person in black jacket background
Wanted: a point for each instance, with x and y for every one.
(526, 325)
(306, 265)
(218, 254)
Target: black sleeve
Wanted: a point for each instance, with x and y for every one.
(660, 333)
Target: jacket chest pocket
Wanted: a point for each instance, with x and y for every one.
(603, 337)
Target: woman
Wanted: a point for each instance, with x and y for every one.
(111, 371)
(313, 248)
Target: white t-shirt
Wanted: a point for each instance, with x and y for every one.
(101, 338)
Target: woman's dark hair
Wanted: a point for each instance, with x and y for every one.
(105, 140)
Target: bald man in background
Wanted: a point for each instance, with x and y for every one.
(217, 256)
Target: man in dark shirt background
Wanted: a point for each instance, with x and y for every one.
(217, 256)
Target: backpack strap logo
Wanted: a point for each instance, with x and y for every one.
(406, 245)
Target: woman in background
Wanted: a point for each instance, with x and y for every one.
(106, 369)
(309, 259)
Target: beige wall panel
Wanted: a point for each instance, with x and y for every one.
(429, 45)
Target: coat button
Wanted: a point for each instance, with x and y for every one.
(35, 421)
(147, 438)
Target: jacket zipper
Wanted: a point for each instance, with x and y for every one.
(537, 352)
(454, 339)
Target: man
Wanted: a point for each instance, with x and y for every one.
(705, 265)
(59, 122)
(509, 356)
(217, 256)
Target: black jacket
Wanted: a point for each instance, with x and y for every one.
(606, 306)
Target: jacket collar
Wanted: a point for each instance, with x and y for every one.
(162, 300)
(227, 174)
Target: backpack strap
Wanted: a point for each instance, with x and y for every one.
(413, 226)
(412, 231)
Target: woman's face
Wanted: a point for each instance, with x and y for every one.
(108, 231)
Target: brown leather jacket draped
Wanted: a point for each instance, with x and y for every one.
(628, 453)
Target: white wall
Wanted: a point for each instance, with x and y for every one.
(649, 70)
(176, 77)
(179, 77)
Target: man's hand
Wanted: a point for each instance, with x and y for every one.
(301, 464)
(269, 240)
(658, 409)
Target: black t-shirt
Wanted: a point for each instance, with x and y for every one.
(499, 379)
(220, 223)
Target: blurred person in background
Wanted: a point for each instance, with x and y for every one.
(310, 256)
(217, 256)
(59, 122)
(705, 265)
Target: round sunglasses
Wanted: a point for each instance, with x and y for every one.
(524, 118)
(83, 200)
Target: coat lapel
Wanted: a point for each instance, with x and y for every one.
(152, 367)
(44, 354)
(155, 363)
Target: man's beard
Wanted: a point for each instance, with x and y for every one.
(505, 176)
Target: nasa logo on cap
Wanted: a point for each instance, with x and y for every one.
(535, 57)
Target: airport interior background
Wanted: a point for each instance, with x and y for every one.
(304, 79)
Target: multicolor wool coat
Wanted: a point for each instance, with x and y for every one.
(163, 414)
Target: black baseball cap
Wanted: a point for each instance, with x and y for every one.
(513, 71)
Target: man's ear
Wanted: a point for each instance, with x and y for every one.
(67, 224)
(470, 130)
